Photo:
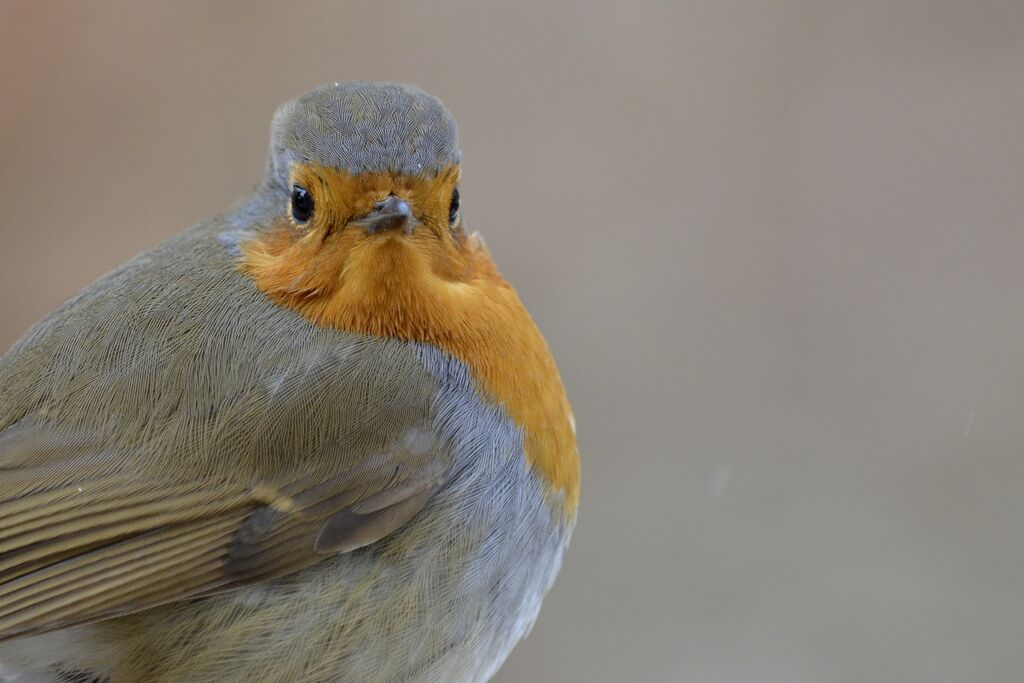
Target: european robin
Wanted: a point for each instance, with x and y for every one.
(316, 438)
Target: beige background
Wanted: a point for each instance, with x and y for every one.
(776, 248)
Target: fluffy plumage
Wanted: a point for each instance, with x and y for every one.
(268, 451)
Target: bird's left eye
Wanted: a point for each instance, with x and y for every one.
(302, 204)
(453, 208)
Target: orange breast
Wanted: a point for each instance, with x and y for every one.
(388, 288)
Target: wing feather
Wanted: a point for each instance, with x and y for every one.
(111, 543)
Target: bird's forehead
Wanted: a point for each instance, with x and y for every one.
(363, 127)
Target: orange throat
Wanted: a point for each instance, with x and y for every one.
(414, 287)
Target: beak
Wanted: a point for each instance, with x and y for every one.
(391, 214)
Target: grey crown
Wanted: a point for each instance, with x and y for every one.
(363, 127)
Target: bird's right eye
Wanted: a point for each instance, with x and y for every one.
(302, 204)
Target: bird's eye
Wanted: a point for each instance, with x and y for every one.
(302, 204)
(453, 208)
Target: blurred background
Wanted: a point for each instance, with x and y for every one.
(776, 248)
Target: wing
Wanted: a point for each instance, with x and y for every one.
(170, 433)
(79, 542)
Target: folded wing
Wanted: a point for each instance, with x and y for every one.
(81, 540)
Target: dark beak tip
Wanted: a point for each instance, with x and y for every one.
(392, 213)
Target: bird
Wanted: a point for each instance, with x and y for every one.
(317, 437)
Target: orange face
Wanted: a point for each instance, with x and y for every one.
(333, 248)
(421, 279)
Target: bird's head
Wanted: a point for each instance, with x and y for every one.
(366, 176)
